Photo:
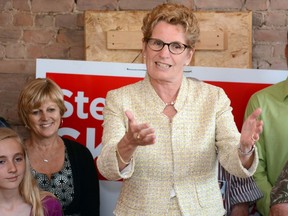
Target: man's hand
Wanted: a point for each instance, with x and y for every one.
(280, 209)
(240, 209)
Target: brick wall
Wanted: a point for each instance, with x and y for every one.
(31, 29)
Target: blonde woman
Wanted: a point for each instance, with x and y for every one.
(19, 193)
(61, 166)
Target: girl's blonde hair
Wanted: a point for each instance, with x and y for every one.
(28, 187)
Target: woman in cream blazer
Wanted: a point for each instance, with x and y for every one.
(163, 135)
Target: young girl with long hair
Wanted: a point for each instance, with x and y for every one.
(19, 193)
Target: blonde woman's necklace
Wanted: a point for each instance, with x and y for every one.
(43, 158)
(46, 157)
(43, 153)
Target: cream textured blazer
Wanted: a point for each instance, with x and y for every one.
(184, 157)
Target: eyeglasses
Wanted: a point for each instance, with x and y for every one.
(174, 47)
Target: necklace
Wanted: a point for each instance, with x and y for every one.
(45, 153)
(43, 158)
(170, 103)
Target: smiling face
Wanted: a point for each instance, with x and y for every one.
(163, 66)
(12, 164)
(35, 93)
(45, 120)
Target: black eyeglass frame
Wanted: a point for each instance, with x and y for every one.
(168, 44)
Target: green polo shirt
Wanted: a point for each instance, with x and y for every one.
(273, 143)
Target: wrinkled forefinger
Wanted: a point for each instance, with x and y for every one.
(130, 116)
(256, 113)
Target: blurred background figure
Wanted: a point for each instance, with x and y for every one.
(279, 195)
(239, 194)
(272, 145)
(4, 123)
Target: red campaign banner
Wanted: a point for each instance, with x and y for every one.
(84, 97)
(239, 94)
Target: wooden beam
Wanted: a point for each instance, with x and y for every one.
(132, 40)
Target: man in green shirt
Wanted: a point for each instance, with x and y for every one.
(273, 143)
